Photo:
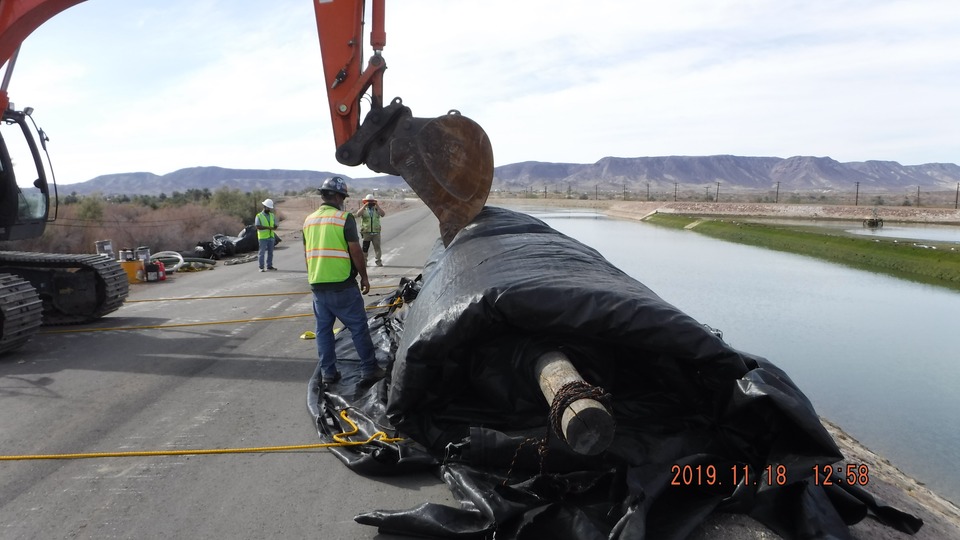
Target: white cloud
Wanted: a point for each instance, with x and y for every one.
(125, 86)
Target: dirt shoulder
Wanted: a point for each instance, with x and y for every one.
(293, 210)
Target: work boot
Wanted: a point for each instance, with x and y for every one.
(330, 379)
(374, 376)
(379, 263)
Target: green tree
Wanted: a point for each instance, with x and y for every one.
(198, 196)
(232, 202)
(91, 208)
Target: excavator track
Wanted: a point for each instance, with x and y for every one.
(73, 289)
(21, 312)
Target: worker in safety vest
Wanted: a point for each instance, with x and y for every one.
(266, 223)
(369, 215)
(334, 260)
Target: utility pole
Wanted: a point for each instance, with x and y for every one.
(648, 191)
(544, 191)
(957, 198)
(776, 198)
(918, 196)
(624, 191)
(856, 198)
(676, 186)
(596, 192)
(718, 191)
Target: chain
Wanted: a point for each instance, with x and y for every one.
(568, 394)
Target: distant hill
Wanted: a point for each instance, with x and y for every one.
(799, 173)
(214, 178)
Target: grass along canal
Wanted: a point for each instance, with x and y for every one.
(930, 262)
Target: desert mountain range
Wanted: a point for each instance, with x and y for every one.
(799, 173)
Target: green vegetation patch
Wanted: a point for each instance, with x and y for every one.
(935, 263)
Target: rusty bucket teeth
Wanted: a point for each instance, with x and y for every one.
(448, 161)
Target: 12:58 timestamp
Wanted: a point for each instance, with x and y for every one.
(852, 474)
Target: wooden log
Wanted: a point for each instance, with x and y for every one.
(587, 425)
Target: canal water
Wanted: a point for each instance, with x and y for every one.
(877, 355)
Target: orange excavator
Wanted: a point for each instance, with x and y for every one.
(447, 161)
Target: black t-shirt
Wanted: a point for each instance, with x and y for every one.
(350, 232)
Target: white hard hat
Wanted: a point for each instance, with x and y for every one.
(268, 203)
(369, 197)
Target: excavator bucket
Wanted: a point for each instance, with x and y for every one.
(448, 160)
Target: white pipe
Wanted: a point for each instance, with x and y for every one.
(167, 255)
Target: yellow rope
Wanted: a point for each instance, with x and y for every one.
(214, 297)
(235, 296)
(380, 436)
(397, 302)
(340, 439)
(178, 325)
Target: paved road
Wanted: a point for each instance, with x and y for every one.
(239, 384)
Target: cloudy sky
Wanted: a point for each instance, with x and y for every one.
(159, 85)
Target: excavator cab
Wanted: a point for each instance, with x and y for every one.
(24, 197)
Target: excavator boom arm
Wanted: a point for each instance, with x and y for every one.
(340, 27)
(18, 19)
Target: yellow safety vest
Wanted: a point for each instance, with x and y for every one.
(265, 220)
(328, 258)
(369, 221)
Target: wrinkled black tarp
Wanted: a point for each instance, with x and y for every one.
(223, 246)
(463, 394)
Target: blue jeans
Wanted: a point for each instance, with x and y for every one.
(266, 247)
(346, 305)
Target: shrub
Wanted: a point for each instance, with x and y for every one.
(173, 228)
